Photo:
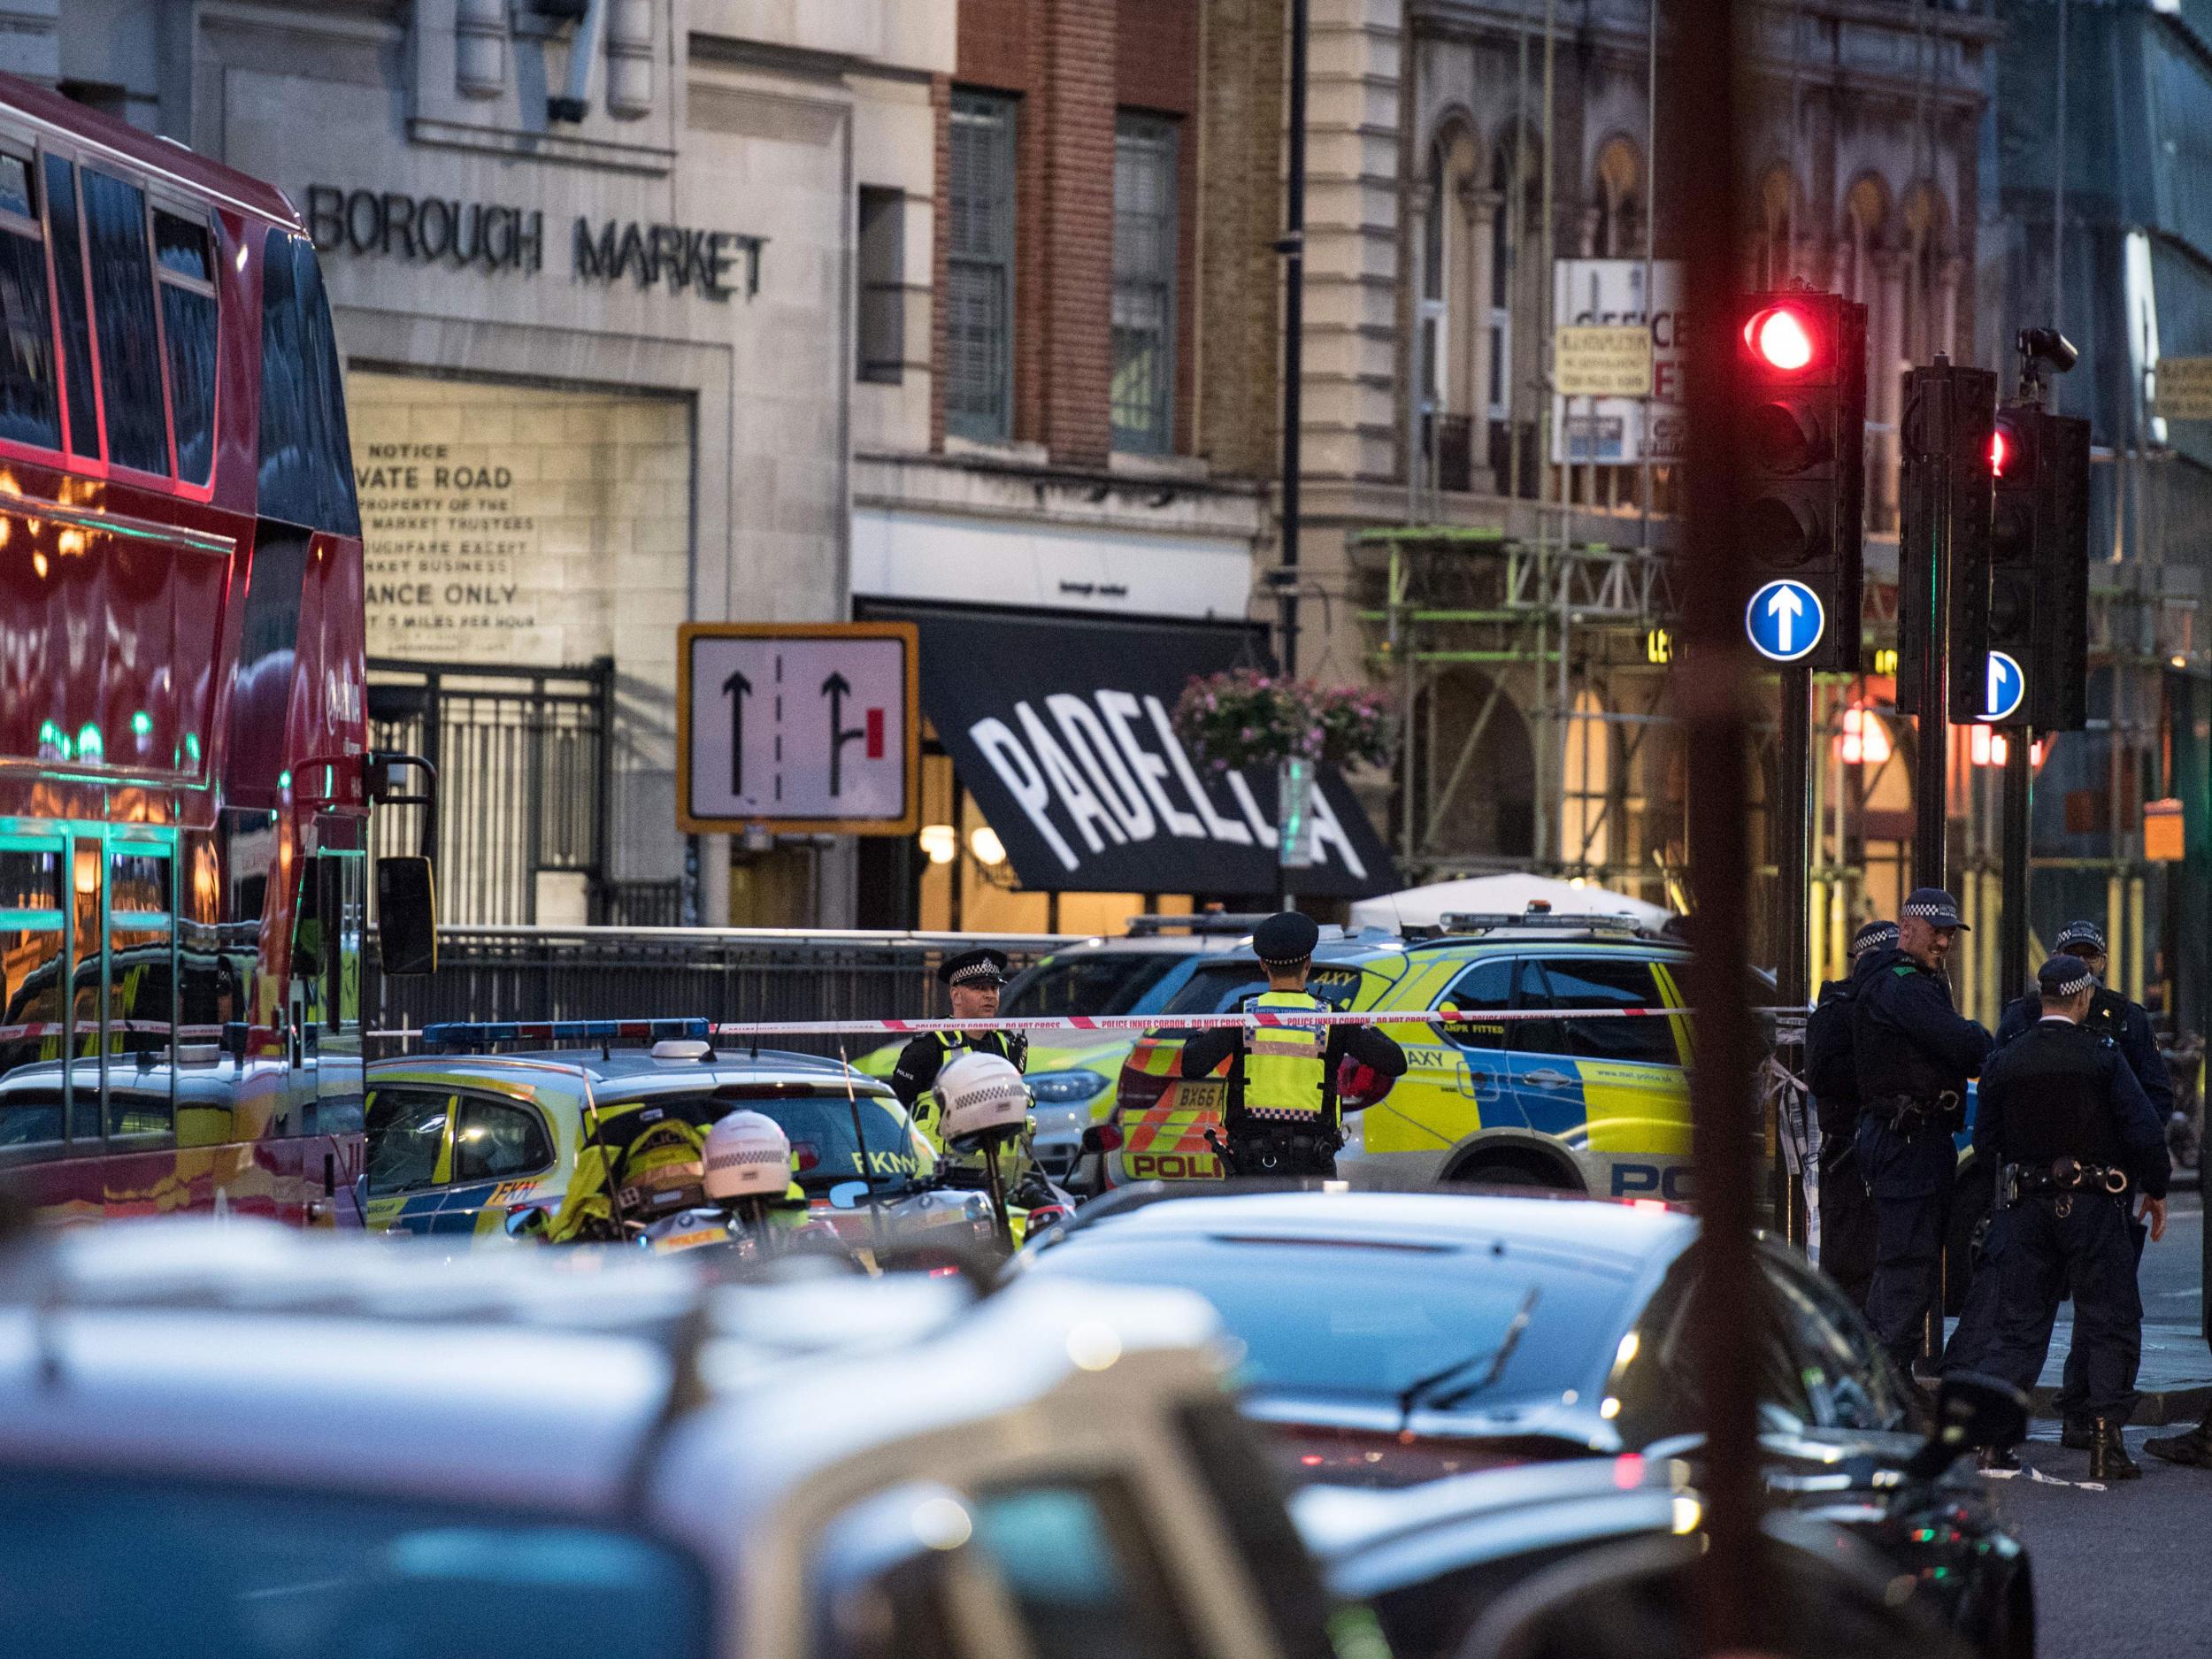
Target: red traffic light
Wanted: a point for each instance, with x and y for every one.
(1781, 338)
(2000, 451)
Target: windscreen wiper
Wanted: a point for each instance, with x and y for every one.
(1492, 1359)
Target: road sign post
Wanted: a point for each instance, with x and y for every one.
(1786, 621)
(798, 729)
(1793, 856)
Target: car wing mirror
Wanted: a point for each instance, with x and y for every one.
(528, 1221)
(845, 1195)
(1972, 1412)
(406, 915)
(1101, 1138)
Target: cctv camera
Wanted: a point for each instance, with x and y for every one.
(2047, 345)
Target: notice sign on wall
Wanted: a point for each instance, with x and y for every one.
(514, 525)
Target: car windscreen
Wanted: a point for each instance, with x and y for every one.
(1371, 1319)
(1095, 982)
(825, 1143)
(91, 1567)
(1219, 987)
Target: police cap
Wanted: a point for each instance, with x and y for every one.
(1876, 935)
(1935, 907)
(973, 967)
(2064, 976)
(1285, 939)
(2081, 933)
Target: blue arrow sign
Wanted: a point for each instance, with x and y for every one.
(2004, 690)
(1784, 621)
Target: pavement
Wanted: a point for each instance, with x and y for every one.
(2118, 1570)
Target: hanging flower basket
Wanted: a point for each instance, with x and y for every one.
(1242, 718)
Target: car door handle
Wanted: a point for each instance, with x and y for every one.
(1549, 1079)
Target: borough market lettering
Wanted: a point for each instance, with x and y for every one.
(496, 236)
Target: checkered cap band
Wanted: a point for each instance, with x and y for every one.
(973, 971)
(2079, 980)
(1944, 913)
(1873, 936)
(2081, 933)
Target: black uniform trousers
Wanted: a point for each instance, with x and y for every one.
(2037, 1252)
(2073, 1392)
(1847, 1219)
(1911, 1171)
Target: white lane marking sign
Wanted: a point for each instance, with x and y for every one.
(798, 727)
(1785, 620)
(2006, 687)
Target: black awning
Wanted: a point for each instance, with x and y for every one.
(1059, 727)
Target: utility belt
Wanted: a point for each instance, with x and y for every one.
(2064, 1177)
(1912, 1114)
(1276, 1149)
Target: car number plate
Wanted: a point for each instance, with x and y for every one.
(1200, 1096)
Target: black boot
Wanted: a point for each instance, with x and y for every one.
(2078, 1436)
(2192, 1446)
(2108, 1458)
(2001, 1457)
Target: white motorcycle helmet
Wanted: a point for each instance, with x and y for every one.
(747, 1155)
(979, 1095)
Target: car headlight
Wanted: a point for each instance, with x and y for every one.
(1062, 1088)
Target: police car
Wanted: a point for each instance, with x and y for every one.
(238, 1440)
(483, 1146)
(1073, 1074)
(1595, 1105)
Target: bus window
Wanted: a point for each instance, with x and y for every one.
(123, 318)
(185, 264)
(69, 291)
(31, 1047)
(29, 411)
(306, 465)
(141, 993)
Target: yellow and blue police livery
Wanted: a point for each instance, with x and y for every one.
(468, 1143)
(1597, 1105)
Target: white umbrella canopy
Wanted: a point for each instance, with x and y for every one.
(1505, 895)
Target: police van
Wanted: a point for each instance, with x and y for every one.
(1597, 1105)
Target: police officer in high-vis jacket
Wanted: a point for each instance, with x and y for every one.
(1283, 1115)
(2124, 1027)
(1913, 1054)
(1846, 1210)
(974, 978)
(2081, 1148)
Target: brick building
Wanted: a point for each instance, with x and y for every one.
(1100, 383)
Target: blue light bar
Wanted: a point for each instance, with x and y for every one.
(481, 1033)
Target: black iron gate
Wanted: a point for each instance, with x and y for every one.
(523, 756)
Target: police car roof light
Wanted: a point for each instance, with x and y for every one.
(481, 1033)
(1150, 926)
(1551, 921)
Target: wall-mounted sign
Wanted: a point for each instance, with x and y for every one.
(493, 237)
(2182, 389)
(1591, 299)
(805, 728)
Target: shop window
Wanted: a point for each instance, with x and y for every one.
(185, 267)
(123, 316)
(29, 411)
(979, 283)
(306, 472)
(1144, 283)
(67, 240)
(881, 325)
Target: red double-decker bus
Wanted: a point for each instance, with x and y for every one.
(184, 788)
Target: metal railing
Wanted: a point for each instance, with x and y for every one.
(720, 974)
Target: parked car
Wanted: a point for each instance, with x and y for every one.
(1433, 1335)
(460, 1144)
(1598, 1105)
(230, 1441)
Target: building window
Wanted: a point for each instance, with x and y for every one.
(1144, 283)
(979, 290)
(882, 282)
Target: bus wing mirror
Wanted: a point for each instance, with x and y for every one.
(406, 915)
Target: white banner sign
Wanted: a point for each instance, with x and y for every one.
(1588, 293)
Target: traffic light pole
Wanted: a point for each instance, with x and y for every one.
(1793, 853)
(2012, 928)
(1925, 584)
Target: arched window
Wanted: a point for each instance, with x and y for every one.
(1927, 237)
(1515, 308)
(1452, 296)
(1860, 268)
(1616, 230)
(1585, 822)
(1773, 261)
(1864, 208)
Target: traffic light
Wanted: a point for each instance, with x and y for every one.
(1804, 372)
(2038, 566)
(1943, 531)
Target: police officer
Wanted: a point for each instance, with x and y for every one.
(2124, 1026)
(1913, 1054)
(1846, 1211)
(2076, 1138)
(974, 978)
(1283, 1115)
